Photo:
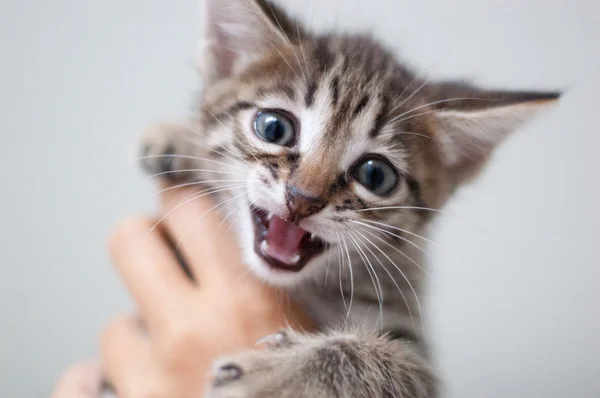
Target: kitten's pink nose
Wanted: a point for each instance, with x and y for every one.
(301, 205)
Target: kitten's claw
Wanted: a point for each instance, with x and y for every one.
(277, 340)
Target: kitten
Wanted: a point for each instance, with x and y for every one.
(331, 157)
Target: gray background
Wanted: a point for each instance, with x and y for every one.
(514, 301)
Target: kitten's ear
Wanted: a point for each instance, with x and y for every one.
(472, 122)
(238, 32)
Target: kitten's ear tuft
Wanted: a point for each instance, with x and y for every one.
(238, 32)
(471, 122)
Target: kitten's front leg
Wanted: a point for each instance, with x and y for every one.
(344, 365)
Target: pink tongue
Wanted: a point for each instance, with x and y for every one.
(283, 238)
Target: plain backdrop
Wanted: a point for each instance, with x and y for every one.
(513, 304)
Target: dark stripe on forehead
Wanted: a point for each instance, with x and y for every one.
(335, 90)
(309, 98)
(381, 117)
(323, 54)
(417, 201)
(362, 104)
(344, 109)
(287, 90)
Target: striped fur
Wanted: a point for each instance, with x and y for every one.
(349, 98)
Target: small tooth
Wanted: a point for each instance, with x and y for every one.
(264, 246)
(295, 259)
(270, 216)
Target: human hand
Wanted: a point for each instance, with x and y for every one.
(79, 381)
(187, 325)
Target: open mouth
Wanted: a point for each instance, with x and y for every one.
(282, 244)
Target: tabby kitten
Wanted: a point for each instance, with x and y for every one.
(330, 157)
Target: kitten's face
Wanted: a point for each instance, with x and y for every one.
(334, 139)
(320, 150)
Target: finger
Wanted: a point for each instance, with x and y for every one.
(199, 230)
(134, 368)
(127, 358)
(80, 381)
(150, 269)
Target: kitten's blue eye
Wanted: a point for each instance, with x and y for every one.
(377, 176)
(275, 128)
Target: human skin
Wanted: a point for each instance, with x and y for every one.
(182, 326)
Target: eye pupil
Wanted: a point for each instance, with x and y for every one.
(377, 176)
(374, 175)
(274, 129)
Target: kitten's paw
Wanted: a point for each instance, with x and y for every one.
(319, 366)
(163, 148)
(260, 373)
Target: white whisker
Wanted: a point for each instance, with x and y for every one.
(289, 42)
(341, 265)
(184, 203)
(236, 163)
(407, 281)
(401, 208)
(439, 102)
(406, 89)
(233, 134)
(284, 58)
(397, 249)
(211, 182)
(220, 204)
(225, 219)
(327, 248)
(236, 158)
(410, 242)
(191, 171)
(435, 64)
(396, 132)
(410, 96)
(351, 277)
(372, 271)
(406, 232)
(175, 156)
(419, 114)
(391, 278)
(233, 223)
(300, 44)
(207, 137)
